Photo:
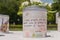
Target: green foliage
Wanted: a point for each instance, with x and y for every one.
(10, 7)
(21, 7)
(55, 1)
(15, 27)
(52, 27)
(51, 16)
(14, 7)
(20, 27)
(48, 7)
(35, 3)
(56, 5)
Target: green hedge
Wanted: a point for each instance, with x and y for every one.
(52, 27)
(16, 27)
(20, 27)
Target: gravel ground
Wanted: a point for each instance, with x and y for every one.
(18, 35)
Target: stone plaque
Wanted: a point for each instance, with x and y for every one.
(34, 21)
(58, 24)
(4, 23)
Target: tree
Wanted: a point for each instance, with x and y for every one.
(50, 14)
(10, 7)
(51, 17)
(56, 5)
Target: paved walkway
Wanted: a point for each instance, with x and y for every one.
(18, 35)
(13, 35)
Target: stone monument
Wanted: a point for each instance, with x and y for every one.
(4, 23)
(34, 21)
